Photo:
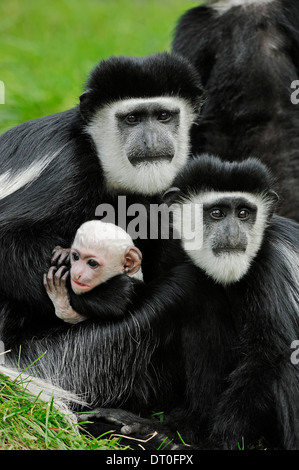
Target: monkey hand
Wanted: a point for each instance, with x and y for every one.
(139, 429)
(55, 285)
(60, 256)
(54, 282)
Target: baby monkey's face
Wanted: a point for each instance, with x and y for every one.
(90, 267)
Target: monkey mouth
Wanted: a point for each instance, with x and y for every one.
(77, 285)
(229, 251)
(138, 161)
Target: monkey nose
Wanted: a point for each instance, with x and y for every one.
(150, 140)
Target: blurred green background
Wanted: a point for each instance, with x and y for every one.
(48, 47)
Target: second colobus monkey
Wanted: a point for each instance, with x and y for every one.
(100, 252)
(242, 316)
(128, 136)
(237, 337)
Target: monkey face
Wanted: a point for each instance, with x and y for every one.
(90, 267)
(142, 142)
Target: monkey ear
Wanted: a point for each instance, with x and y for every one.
(171, 191)
(274, 201)
(274, 196)
(133, 258)
(84, 104)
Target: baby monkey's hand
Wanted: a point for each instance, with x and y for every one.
(60, 256)
(55, 285)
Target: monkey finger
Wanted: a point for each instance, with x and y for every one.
(55, 254)
(64, 258)
(50, 277)
(45, 282)
(48, 280)
(59, 274)
(61, 256)
(64, 278)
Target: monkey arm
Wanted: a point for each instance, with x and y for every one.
(108, 301)
(65, 312)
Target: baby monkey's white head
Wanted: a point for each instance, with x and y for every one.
(100, 251)
(237, 202)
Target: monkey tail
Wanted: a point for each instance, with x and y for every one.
(63, 400)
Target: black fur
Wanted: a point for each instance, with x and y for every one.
(247, 58)
(134, 363)
(232, 347)
(236, 339)
(140, 77)
(47, 211)
(131, 361)
(109, 301)
(247, 176)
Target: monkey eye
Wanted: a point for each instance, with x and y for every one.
(243, 214)
(164, 116)
(132, 119)
(92, 263)
(217, 214)
(75, 256)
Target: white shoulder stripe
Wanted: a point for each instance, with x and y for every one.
(225, 5)
(11, 181)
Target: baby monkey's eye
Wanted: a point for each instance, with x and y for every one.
(243, 214)
(217, 214)
(92, 263)
(75, 256)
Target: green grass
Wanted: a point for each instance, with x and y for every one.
(48, 47)
(27, 423)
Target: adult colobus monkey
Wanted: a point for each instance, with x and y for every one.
(247, 54)
(240, 379)
(129, 135)
(243, 315)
